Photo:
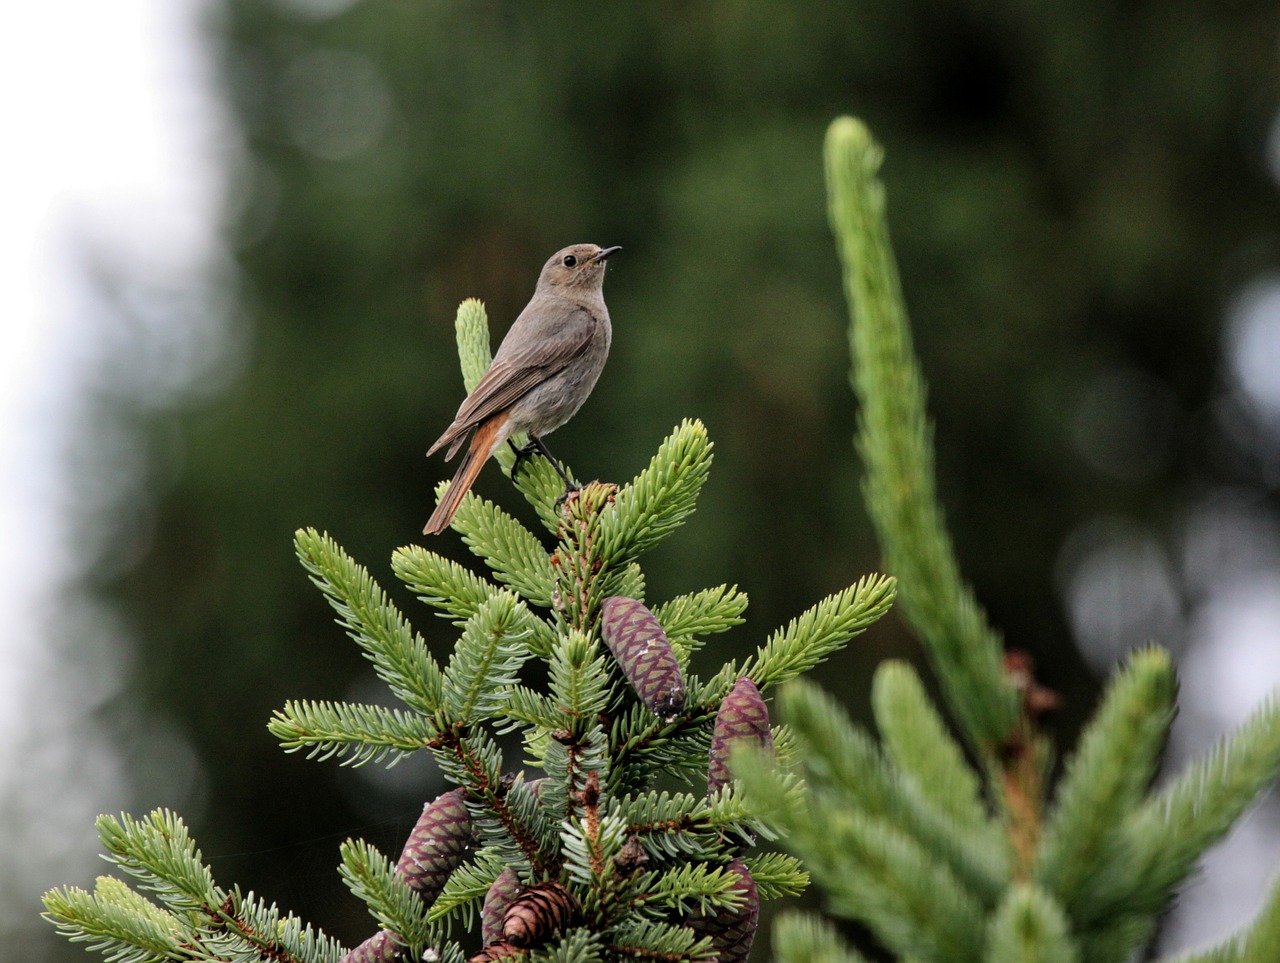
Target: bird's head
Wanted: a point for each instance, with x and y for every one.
(579, 266)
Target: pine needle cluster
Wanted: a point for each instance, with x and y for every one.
(569, 853)
(951, 850)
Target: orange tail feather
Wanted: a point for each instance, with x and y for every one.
(484, 443)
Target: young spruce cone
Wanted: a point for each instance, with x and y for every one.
(436, 845)
(502, 893)
(637, 641)
(731, 931)
(539, 913)
(742, 715)
(381, 947)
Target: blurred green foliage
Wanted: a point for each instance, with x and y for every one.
(1073, 188)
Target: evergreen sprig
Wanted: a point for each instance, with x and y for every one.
(803, 938)
(1029, 926)
(809, 639)
(399, 656)
(688, 619)
(895, 442)
(916, 741)
(191, 917)
(947, 855)
(391, 902)
(465, 890)
(353, 734)
(1105, 780)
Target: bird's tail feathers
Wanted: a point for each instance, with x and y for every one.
(488, 437)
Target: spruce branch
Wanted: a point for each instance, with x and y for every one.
(1030, 927)
(625, 580)
(895, 443)
(514, 553)
(474, 761)
(399, 657)
(471, 329)
(117, 922)
(576, 946)
(688, 619)
(457, 591)
(668, 825)
(660, 498)
(578, 562)
(442, 583)
(845, 762)
(524, 707)
(868, 867)
(160, 853)
(654, 942)
(1172, 829)
(353, 734)
(917, 741)
(194, 919)
(646, 744)
(777, 875)
(809, 639)
(373, 879)
(487, 658)
(1106, 779)
(466, 889)
(570, 763)
(805, 938)
(579, 682)
(908, 897)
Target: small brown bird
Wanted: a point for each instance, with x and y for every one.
(543, 371)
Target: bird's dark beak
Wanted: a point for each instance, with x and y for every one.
(606, 252)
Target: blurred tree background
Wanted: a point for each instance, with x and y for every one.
(1077, 194)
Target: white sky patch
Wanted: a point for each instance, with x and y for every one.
(1253, 344)
(112, 147)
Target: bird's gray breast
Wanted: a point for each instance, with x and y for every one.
(549, 405)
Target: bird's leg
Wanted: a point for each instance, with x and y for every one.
(521, 454)
(535, 446)
(569, 485)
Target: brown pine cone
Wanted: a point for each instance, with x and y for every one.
(731, 931)
(539, 913)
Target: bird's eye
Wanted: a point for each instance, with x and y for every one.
(570, 260)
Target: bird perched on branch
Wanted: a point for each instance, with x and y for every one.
(543, 371)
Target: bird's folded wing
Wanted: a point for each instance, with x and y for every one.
(511, 377)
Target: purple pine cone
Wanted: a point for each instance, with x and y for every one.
(436, 845)
(731, 931)
(501, 895)
(381, 947)
(637, 641)
(742, 715)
